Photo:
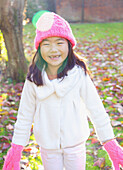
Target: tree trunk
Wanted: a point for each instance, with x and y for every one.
(11, 17)
(0, 44)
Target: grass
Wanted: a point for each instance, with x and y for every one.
(99, 31)
(29, 34)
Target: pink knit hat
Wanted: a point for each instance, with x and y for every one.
(51, 25)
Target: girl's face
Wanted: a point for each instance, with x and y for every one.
(54, 51)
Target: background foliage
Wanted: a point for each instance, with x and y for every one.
(32, 7)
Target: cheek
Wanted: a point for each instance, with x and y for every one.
(65, 50)
(43, 52)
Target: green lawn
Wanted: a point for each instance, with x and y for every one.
(98, 31)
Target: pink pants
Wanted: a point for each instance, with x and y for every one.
(72, 158)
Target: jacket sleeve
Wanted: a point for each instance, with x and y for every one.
(97, 113)
(25, 114)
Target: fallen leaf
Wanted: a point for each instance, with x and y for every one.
(100, 162)
(12, 111)
(94, 140)
(3, 112)
(13, 117)
(116, 123)
(27, 149)
(9, 127)
(6, 146)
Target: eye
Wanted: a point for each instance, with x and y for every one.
(60, 43)
(46, 44)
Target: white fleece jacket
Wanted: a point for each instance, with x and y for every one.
(59, 110)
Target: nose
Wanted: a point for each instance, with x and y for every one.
(53, 48)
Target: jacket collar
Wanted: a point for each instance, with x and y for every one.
(61, 88)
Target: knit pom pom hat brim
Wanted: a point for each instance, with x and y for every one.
(52, 25)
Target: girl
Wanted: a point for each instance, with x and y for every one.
(58, 95)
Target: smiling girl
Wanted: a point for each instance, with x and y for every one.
(58, 96)
(54, 51)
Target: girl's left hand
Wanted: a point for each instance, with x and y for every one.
(12, 161)
(115, 153)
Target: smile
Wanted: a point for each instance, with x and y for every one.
(54, 57)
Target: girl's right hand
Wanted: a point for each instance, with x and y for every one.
(115, 153)
(12, 160)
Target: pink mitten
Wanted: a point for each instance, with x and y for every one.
(12, 161)
(115, 153)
